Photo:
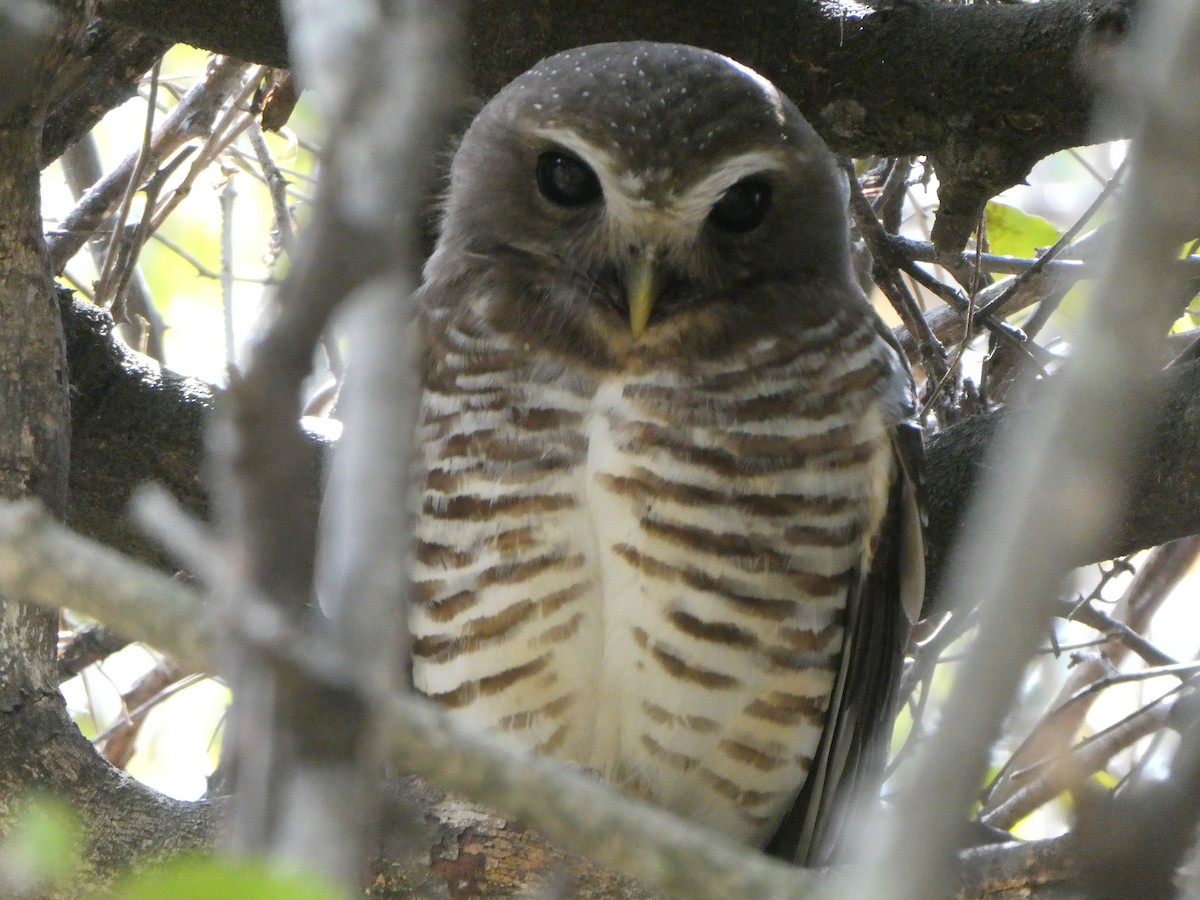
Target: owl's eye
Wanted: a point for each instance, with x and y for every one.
(566, 180)
(743, 207)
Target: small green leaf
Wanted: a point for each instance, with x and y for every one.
(43, 847)
(1012, 232)
(205, 878)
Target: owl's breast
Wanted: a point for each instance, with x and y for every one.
(731, 513)
(505, 581)
(647, 574)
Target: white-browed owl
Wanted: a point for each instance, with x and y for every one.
(668, 525)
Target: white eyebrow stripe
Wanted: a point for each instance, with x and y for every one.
(697, 201)
(603, 165)
(623, 190)
(628, 208)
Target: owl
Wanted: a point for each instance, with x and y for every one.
(668, 523)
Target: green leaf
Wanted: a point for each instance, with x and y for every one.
(43, 846)
(1012, 232)
(193, 878)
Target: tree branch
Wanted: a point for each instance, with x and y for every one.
(41, 562)
(1018, 91)
(110, 66)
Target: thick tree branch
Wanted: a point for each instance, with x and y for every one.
(105, 73)
(39, 744)
(1017, 90)
(1162, 483)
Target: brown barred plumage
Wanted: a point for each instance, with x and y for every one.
(665, 530)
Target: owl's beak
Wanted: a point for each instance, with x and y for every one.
(641, 289)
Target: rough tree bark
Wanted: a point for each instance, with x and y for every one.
(39, 744)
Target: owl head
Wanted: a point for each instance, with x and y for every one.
(640, 198)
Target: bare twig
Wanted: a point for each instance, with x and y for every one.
(1047, 780)
(41, 562)
(191, 118)
(81, 165)
(233, 120)
(276, 188)
(160, 683)
(104, 287)
(85, 647)
(932, 353)
(365, 224)
(1063, 242)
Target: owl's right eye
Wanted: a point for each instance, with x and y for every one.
(566, 180)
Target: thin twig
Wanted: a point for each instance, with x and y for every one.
(233, 120)
(1064, 241)
(190, 119)
(277, 187)
(104, 286)
(933, 354)
(1051, 777)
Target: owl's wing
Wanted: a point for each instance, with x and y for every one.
(847, 772)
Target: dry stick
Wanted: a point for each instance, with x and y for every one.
(81, 165)
(131, 244)
(1041, 315)
(889, 255)
(44, 563)
(156, 686)
(1002, 369)
(276, 187)
(968, 323)
(190, 119)
(162, 682)
(924, 251)
(104, 286)
(292, 179)
(1161, 571)
(946, 322)
(307, 751)
(956, 300)
(933, 354)
(1059, 726)
(227, 197)
(1058, 247)
(1119, 633)
(1067, 770)
(1025, 526)
(233, 121)
(201, 269)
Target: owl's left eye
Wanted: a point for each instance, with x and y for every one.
(566, 180)
(743, 207)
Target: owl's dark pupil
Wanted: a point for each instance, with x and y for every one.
(566, 180)
(743, 207)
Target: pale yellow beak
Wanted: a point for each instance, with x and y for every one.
(641, 289)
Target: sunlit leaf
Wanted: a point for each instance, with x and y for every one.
(220, 879)
(43, 847)
(1012, 232)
